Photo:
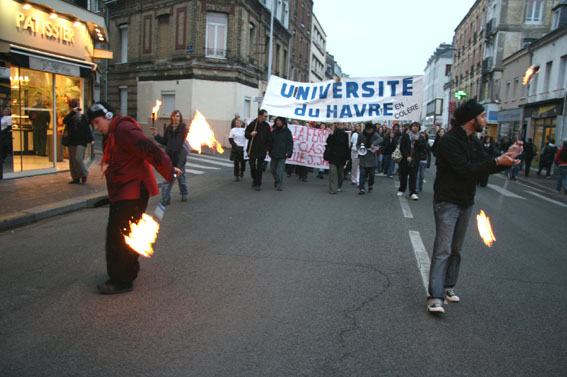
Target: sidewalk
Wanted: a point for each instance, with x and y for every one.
(27, 200)
(30, 199)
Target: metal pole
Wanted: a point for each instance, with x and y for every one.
(273, 10)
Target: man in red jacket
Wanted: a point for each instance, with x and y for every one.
(127, 162)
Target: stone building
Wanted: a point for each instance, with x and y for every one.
(436, 98)
(318, 52)
(301, 19)
(210, 56)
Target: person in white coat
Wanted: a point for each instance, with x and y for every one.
(355, 172)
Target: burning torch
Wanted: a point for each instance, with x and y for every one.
(154, 113)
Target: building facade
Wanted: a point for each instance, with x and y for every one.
(436, 99)
(318, 52)
(210, 56)
(49, 54)
(301, 20)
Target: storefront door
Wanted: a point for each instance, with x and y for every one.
(543, 130)
(38, 108)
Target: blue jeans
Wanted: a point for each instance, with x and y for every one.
(451, 223)
(167, 186)
(379, 158)
(277, 168)
(366, 173)
(561, 177)
(421, 175)
(388, 165)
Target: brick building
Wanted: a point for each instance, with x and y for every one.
(210, 56)
(300, 21)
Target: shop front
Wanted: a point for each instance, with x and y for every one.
(542, 119)
(51, 58)
(510, 121)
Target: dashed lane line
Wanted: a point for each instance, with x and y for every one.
(406, 208)
(421, 256)
(192, 171)
(192, 165)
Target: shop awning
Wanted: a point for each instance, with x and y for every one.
(41, 61)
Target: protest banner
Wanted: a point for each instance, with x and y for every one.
(308, 146)
(393, 98)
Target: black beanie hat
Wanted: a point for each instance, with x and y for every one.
(369, 126)
(467, 111)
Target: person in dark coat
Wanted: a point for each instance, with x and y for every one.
(259, 137)
(40, 118)
(128, 160)
(460, 162)
(281, 149)
(389, 145)
(174, 138)
(367, 141)
(337, 152)
(79, 134)
(490, 150)
(530, 152)
(412, 145)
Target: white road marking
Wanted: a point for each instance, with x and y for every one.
(405, 208)
(207, 157)
(201, 166)
(549, 200)
(226, 163)
(198, 172)
(505, 192)
(423, 261)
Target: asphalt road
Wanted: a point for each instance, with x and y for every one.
(292, 283)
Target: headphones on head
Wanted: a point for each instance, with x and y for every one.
(98, 107)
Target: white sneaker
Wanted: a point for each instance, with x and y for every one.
(451, 296)
(399, 193)
(414, 197)
(435, 306)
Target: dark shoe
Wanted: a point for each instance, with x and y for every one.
(369, 190)
(237, 178)
(279, 188)
(83, 179)
(361, 192)
(164, 202)
(74, 181)
(111, 288)
(183, 198)
(257, 188)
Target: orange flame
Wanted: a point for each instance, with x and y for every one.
(485, 229)
(142, 235)
(155, 109)
(200, 133)
(530, 72)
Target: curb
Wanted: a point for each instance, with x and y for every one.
(32, 215)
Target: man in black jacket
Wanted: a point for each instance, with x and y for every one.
(412, 146)
(282, 148)
(337, 152)
(259, 138)
(460, 162)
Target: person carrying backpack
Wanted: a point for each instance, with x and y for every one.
(561, 161)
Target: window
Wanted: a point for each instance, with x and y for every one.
(147, 34)
(123, 99)
(515, 89)
(534, 10)
(507, 95)
(123, 43)
(251, 41)
(181, 29)
(561, 83)
(546, 80)
(216, 35)
(168, 103)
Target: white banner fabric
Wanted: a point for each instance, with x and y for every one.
(348, 100)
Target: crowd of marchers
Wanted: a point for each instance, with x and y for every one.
(362, 151)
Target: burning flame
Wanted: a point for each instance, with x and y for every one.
(200, 133)
(143, 235)
(155, 109)
(485, 229)
(530, 72)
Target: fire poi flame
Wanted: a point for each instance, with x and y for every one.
(155, 109)
(200, 133)
(142, 235)
(530, 72)
(485, 229)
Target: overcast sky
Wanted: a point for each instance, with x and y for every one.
(372, 38)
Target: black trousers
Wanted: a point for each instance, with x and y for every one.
(256, 169)
(405, 170)
(121, 261)
(239, 166)
(528, 166)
